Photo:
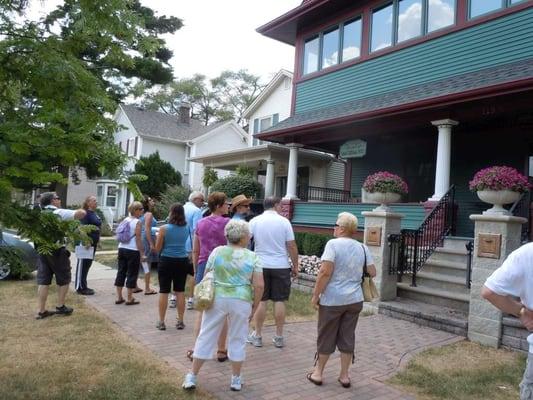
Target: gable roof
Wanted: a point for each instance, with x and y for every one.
(460, 86)
(219, 126)
(157, 125)
(267, 91)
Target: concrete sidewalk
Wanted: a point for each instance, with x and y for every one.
(383, 345)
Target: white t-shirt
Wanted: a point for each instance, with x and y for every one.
(271, 232)
(63, 213)
(132, 244)
(344, 286)
(515, 278)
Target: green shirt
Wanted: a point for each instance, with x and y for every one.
(233, 269)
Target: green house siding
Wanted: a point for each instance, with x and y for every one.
(325, 214)
(490, 44)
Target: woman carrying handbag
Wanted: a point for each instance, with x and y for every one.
(338, 296)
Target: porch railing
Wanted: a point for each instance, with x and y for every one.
(316, 193)
(522, 208)
(412, 247)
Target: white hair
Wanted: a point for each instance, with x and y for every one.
(235, 230)
(348, 221)
(195, 195)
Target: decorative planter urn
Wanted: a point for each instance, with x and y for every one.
(498, 198)
(383, 199)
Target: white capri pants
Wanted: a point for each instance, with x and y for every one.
(238, 312)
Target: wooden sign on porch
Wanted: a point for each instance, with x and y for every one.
(489, 245)
(373, 236)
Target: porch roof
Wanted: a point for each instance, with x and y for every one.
(233, 158)
(502, 79)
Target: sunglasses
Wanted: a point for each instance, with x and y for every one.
(56, 198)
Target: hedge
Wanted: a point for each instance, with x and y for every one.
(311, 244)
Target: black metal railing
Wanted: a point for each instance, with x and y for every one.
(316, 193)
(469, 250)
(522, 208)
(414, 246)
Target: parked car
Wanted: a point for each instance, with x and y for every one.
(27, 250)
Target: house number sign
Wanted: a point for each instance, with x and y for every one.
(353, 149)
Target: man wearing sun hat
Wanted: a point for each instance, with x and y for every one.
(240, 207)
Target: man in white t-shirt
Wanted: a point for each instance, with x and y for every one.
(274, 244)
(57, 263)
(514, 279)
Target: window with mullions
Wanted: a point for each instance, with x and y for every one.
(402, 20)
(481, 7)
(336, 45)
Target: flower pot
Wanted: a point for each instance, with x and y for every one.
(383, 199)
(498, 198)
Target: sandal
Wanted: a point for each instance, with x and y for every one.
(119, 301)
(189, 354)
(44, 314)
(137, 290)
(133, 302)
(151, 291)
(345, 384)
(222, 355)
(310, 379)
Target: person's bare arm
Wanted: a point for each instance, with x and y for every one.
(509, 305)
(148, 217)
(324, 275)
(138, 240)
(371, 269)
(292, 249)
(195, 251)
(259, 286)
(80, 213)
(160, 239)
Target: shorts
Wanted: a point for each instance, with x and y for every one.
(526, 386)
(336, 328)
(58, 264)
(277, 284)
(200, 270)
(172, 273)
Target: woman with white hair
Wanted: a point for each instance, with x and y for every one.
(338, 296)
(238, 279)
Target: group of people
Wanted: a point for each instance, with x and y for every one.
(246, 277)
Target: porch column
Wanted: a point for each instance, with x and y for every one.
(269, 184)
(292, 173)
(444, 146)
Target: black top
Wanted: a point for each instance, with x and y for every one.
(91, 218)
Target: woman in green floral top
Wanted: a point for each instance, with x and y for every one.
(238, 290)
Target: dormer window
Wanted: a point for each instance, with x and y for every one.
(261, 125)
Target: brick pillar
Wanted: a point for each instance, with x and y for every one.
(495, 237)
(378, 226)
(287, 208)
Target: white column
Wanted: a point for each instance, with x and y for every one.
(444, 149)
(292, 173)
(269, 184)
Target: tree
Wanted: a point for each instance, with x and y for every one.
(210, 177)
(235, 185)
(220, 99)
(159, 175)
(60, 78)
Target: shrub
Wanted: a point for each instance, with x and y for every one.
(160, 173)
(499, 178)
(235, 185)
(299, 238)
(173, 194)
(311, 244)
(15, 259)
(385, 182)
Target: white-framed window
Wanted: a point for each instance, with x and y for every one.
(132, 148)
(187, 161)
(111, 198)
(262, 124)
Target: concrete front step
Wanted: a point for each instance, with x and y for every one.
(456, 242)
(449, 268)
(437, 317)
(451, 255)
(438, 297)
(456, 284)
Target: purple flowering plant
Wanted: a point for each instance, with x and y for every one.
(383, 182)
(499, 178)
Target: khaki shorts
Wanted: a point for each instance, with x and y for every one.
(336, 328)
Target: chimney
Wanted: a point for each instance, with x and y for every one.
(184, 116)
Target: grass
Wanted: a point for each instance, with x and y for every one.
(110, 260)
(78, 357)
(463, 371)
(107, 244)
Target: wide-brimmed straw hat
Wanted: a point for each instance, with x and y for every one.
(240, 200)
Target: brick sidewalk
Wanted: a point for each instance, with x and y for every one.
(383, 344)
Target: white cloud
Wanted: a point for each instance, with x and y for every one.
(409, 22)
(440, 14)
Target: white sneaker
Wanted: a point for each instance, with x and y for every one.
(172, 302)
(189, 382)
(190, 304)
(236, 384)
(278, 341)
(257, 341)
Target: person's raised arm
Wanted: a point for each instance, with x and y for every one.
(80, 213)
(160, 239)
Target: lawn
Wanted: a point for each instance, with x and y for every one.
(78, 357)
(463, 371)
(107, 244)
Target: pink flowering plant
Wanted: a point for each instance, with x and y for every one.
(499, 178)
(385, 182)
